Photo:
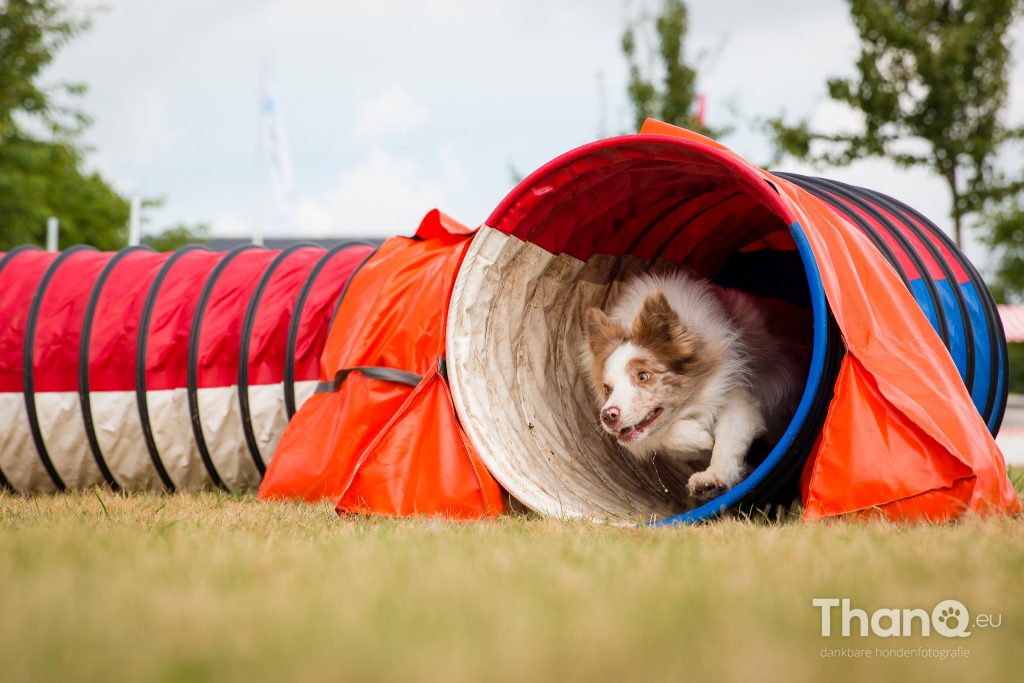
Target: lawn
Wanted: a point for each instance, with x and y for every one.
(98, 586)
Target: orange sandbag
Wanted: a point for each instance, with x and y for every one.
(377, 445)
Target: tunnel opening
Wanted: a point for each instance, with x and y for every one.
(567, 238)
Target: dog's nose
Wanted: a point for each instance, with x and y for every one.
(610, 416)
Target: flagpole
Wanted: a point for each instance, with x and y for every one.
(52, 229)
(261, 196)
(274, 150)
(134, 221)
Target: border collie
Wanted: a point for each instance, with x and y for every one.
(688, 370)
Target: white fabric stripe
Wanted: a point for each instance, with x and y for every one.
(119, 433)
(268, 416)
(225, 440)
(115, 419)
(172, 432)
(18, 458)
(60, 423)
(303, 392)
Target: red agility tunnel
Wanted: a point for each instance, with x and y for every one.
(158, 370)
(904, 355)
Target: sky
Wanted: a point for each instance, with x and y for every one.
(395, 107)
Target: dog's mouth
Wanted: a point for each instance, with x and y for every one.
(635, 432)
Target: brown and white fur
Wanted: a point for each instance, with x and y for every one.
(688, 370)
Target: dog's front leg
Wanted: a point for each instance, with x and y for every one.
(738, 425)
(688, 440)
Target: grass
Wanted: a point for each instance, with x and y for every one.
(98, 586)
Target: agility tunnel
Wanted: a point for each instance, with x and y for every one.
(173, 371)
(904, 353)
(440, 374)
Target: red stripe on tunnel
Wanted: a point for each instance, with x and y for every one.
(61, 314)
(270, 326)
(171, 321)
(115, 326)
(18, 282)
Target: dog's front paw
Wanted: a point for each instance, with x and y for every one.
(711, 482)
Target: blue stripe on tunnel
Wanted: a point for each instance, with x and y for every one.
(956, 325)
(924, 301)
(983, 347)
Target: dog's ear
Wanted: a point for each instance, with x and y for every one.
(656, 322)
(601, 330)
(659, 329)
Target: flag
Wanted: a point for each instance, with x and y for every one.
(274, 148)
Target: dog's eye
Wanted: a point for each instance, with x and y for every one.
(607, 389)
(643, 376)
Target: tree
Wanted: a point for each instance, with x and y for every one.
(177, 236)
(43, 175)
(931, 85)
(42, 167)
(1005, 238)
(675, 100)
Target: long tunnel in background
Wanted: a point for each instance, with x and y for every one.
(146, 370)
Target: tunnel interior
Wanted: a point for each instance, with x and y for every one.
(566, 239)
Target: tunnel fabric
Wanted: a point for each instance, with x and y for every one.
(379, 441)
(891, 443)
(902, 436)
(906, 388)
(109, 367)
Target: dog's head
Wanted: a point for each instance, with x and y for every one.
(643, 375)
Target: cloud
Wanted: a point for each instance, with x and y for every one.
(355, 76)
(384, 194)
(389, 112)
(229, 224)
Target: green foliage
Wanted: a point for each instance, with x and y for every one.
(670, 93)
(42, 169)
(31, 32)
(39, 177)
(43, 179)
(1006, 239)
(931, 84)
(177, 236)
(1015, 377)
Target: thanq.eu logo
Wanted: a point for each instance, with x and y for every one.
(949, 618)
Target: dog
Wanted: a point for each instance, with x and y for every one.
(687, 370)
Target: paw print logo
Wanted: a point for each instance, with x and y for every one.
(950, 619)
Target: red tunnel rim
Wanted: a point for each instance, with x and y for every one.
(758, 182)
(763, 187)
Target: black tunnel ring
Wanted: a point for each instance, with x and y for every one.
(243, 350)
(993, 411)
(84, 396)
(28, 361)
(141, 348)
(844, 193)
(296, 319)
(193, 360)
(5, 483)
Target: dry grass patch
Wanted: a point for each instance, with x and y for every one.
(98, 586)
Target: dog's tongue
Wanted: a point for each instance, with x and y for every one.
(627, 433)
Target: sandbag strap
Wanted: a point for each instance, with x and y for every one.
(371, 372)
